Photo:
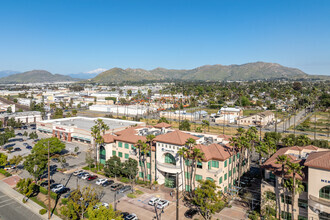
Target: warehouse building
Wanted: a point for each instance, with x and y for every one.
(78, 129)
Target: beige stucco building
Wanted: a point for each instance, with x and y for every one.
(314, 201)
(262, 118)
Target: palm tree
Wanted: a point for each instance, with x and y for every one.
(205, 123)
(150, 138)
(283, 160)
(197, 156)
(183, 153)
(141, 145)
(295, 169)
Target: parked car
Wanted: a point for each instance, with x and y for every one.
(29, 147)
(107, 183)
(25, 144)
(17, 149)
(55, 160)
(124, 214)
(19, 134)
(84, 177)
(58, 187)
(132, 216)
(45, 183)
(62, 190)
(125, 189)
(54, 185)
(53, 167)
(153, 201)
(82, 174)
(162, 204)
(77, 172)
(97, 206)
(190, 213)
(92, 177)
(116, 186)
(100, 181)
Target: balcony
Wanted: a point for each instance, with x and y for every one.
(318, 204)
(168, 168)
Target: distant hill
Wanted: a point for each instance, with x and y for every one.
(36, 76)
(4, 73)
(83, 75)
(249, 71)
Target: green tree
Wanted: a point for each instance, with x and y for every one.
(27, 187)
(130, 169)
(79, 202)
(206, 124)
(74, 112)
(184, 125)
(113, 167)
(58, 113)
(150, 138)
(207, 198)
(15, 160)
(103, 213)
(97, 130)
(36, 162)
(9, 110)
(3, 159)
(89, 159)
(163, 119)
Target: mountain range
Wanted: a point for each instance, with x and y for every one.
(36, 76)
(249, 71)
(244, 72)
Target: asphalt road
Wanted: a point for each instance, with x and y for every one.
(11, 209)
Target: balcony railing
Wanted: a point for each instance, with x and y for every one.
(168, 167)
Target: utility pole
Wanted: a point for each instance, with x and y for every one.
(49, 208)
(294, 122)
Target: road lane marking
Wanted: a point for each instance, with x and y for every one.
(7, 204)
(5, 200)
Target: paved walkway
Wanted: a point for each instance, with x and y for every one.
(13, 197)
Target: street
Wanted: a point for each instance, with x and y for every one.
(11, 209)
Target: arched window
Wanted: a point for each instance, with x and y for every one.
(325, 192)
(102, 155)
(169, 158)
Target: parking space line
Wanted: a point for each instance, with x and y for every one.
(3, 196)
(5, 200)
(7, 204)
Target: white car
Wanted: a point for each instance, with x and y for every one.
(77, 172)
(132, 216)
(97, 206)
(100, 181)
(57, 188)
(162, 204)
(153, 201)
(85, 176)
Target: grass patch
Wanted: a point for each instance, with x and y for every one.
(139, 192)
(4, 172)
(131, 195)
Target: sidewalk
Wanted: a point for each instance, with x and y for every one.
(32, 206)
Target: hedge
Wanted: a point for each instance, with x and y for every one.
(124, 180)
(4, 172)
(45, 192)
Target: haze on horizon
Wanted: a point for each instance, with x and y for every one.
(81, 36)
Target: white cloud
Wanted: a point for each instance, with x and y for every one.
(97, 71)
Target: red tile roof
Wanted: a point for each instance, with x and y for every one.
(319, 160)
(175, 137)
(108, 138)
(163, 125)
(216, 151)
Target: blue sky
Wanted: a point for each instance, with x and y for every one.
(71, 36)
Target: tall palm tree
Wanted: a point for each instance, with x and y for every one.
(295, 169)
(141, 146)
(197, 156)
(183, 153)
(150, 138)
(283, 160)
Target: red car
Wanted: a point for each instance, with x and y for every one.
(92, 177)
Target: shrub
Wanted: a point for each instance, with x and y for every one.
(85, 168)
(42, 211)
(124, 180)
(140, 182)
(139, 192)
(131, 195)
(4, 172)
(101, 173)
(43, 190)
(64, 201)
